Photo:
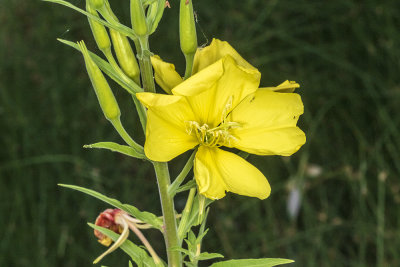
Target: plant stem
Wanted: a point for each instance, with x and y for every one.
(161, 168)
(167, 205)
(146, 68)
(127, 138)
(189, 65)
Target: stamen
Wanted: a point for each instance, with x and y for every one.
(217, 136)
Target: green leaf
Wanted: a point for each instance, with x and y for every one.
(144, 216)
(118, 27)
(268, 262)
(189, 185)
(182, 250)
(208, 256)
(106, 67)
(137, 254)
(126, 150)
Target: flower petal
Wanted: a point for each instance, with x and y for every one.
(217, 89)
(165, 74)
(268, 123)
(166, 135)
(285, 87)
(217, 171)
(218, 49)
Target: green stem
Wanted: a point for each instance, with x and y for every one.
(189, 65)
(123, 133)
(146, 68)
(161, 168)
(182, 175)
(167, 205)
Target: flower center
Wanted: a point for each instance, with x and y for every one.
(212, 137)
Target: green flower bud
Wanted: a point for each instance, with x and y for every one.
(103, 91)
(125, 55)
(99, 31)
(154, 14)
(138, 18)
(97, 4)
(187, 28)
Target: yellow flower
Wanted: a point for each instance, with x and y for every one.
(221, 106)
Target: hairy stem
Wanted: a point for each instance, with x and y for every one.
(167, 205)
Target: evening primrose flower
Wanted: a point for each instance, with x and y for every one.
(221, 106)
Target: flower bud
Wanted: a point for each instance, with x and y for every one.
(154, 14)
(138, 18)
(103, 91)
(106, 219)
(187, 28)
(99, 31)
(97, 4)
(125, 55)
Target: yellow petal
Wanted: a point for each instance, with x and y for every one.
(217, 171)
(285, 87)
(218, 49)
(165, 74)
(166, 135)
(268, 123)
(216, 90)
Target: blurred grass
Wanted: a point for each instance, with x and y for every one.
(346, 56)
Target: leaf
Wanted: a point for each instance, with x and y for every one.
(119, 27)
(189, 185)
(137, 254)
(182, 250)
(208, 256)
(126, 150)
(130, 86)
(267, 262)
(144, 216)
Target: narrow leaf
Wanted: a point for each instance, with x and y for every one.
(126, 150)
(144, 216)
(208, 256)
(120, 28)
(137, 254)
(269, 262)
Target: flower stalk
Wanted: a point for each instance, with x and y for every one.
(168, 210)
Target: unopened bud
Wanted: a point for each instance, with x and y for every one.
(154, 14)
(138, 19)
(97, 4)
(103, 91)
(187, 28)
(125, 55)
(99, 31)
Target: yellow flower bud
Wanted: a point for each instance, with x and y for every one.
(97, 4)
(125, 55)
(138, 19)
(99, 31)
(187, 28)
(103, 91)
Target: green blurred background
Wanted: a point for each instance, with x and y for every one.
(343, 185)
